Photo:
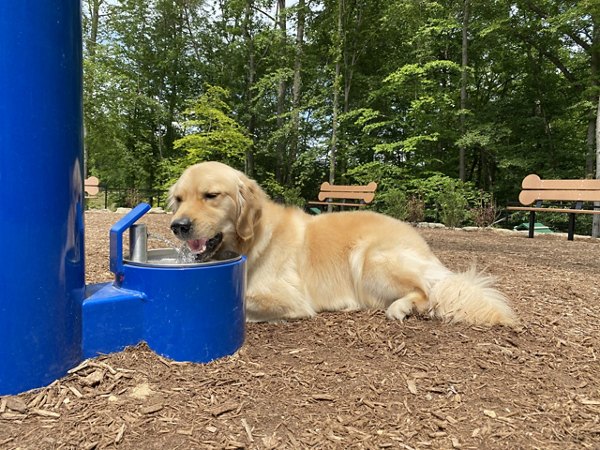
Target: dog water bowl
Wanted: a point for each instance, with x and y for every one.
(185, 311)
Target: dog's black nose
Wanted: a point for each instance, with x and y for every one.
(181, 226)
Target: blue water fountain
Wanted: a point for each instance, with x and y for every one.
(49, 319)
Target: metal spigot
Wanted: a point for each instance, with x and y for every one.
(138, 243)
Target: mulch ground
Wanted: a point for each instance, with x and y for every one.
(353, 380)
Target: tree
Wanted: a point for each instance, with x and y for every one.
(596, 221)
(210, 133)
(463, 85)
(296, 88)
(337, 50)
(482, 91)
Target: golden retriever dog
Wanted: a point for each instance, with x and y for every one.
(299, 264)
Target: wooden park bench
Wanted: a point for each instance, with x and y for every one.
(565, 196)
(344, 196)
(91, 187)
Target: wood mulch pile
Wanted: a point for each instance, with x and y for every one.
(353, 380)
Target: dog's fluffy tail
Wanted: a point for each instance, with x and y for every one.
(469, 297)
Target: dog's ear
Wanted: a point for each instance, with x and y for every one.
(250, 200)
(171, 203)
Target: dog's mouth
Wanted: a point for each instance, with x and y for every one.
(205, 248)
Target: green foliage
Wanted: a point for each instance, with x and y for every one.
(445, 198)
(282, 194)
(531, 90)
(453, 205)
(431, 196)
(484, 214)
(394, 203)
(397, 204)
(385, 175)
(210, 132)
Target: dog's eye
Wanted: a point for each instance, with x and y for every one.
(178, 199)
(211, 195)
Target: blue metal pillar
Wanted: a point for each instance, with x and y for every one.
(42, 278)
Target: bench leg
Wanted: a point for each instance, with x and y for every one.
(571, 226)
(531, 223)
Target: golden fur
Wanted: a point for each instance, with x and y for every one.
(299, 265)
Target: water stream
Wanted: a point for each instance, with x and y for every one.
(184, 254)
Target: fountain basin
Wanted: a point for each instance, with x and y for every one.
(169, 258)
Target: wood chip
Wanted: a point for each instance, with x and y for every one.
(412, 387)
(103, 365)
(34, 402)
(323, 397)
(120, 433)
(438, 414)
(222, 408)
(93, 379)
(75, 392)
(16, 404)
(295, 351)
(163, 360)
(81, 366)
(12, 416)
(45, 413)
(248, 430)
(583, 401)
(451, 419)
(490, 413)
(151, 409)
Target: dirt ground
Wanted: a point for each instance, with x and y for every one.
(353, 380)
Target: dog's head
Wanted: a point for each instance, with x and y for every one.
(215, 208)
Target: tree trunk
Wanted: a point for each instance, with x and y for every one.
(94, 20)
(591, 164)
(337, 82)
(92, 42)
(590, 157)
(249, 41)
(463, 87)
(596, 221)
(595, 66)
(282, 165)
(297, 89)
(334, 122)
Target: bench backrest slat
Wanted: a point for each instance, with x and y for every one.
(536, 189)
(534, 182)
(364, 193)
(92, 186)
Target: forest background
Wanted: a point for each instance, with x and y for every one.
(446, 104)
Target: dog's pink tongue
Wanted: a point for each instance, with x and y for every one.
(197, 245)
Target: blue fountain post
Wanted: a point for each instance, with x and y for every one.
(42, 278)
